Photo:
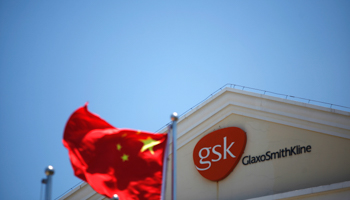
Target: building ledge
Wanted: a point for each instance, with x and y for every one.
(308, 191)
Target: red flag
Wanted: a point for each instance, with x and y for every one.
(125, 162)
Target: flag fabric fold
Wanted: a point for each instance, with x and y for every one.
(125, 162)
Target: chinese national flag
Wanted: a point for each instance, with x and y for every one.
(125, 162)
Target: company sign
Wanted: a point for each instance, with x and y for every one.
(218, 153)
(296, 150)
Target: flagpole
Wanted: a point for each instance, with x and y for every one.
(49, 171)
(174, 119)
(165, 165)
(115, 197)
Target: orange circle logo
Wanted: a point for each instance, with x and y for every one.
(218, 153)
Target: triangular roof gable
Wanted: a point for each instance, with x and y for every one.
(205, 118)
(290, 123)
(283, 111)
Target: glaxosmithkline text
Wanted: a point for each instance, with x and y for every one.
(278, 154)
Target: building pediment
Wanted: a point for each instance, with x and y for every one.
(273, 125)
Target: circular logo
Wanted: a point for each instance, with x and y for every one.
(218, 153)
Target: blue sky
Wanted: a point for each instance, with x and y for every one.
(137, 62)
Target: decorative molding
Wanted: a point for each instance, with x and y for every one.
(313, 121)
(307, 191)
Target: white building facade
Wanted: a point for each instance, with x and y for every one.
(293, 150)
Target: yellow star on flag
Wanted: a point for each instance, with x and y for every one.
(125, 157)
(149, 143)
(119, 147)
